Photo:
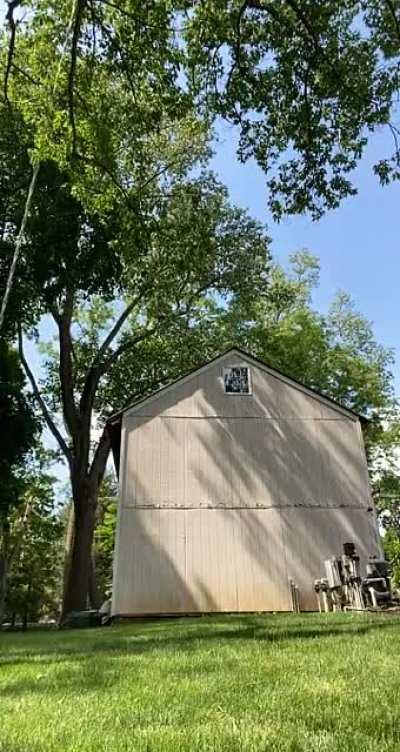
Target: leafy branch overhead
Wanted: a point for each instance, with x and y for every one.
(123, 97)
(118, 102)
(305, 82)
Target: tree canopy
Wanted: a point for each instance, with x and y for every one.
(109, 88)
(123, 97)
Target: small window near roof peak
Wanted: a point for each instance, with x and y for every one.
(237, 380)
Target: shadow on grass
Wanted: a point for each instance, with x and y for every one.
(91, 654)
(147, 635)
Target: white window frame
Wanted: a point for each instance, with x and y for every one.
(225, 369)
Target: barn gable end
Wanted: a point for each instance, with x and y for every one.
(201, 394)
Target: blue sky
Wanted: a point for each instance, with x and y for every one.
(357, 243)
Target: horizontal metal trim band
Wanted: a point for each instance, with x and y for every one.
(138, 416)
(363, 507)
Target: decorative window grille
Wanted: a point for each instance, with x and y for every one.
(237, 380)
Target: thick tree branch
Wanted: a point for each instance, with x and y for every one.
(130, 343)
(266, 7)
(392, 11)
(26, 74)
(305, 22)
(80, 7)
(269, 8)
(114, 331)
(96, 370)
(236, 62)
(101, 367)
(36, 391)
(99, 462)
(125, 346)
(70, 412)
(12, 5)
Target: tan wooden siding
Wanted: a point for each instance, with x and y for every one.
(211, 560)
(223, 498)
(187, 561)
(244, 462)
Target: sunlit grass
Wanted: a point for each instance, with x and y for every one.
(284, 682)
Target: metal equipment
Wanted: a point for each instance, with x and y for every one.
(376, 585)
(295, 596)
(344, 589)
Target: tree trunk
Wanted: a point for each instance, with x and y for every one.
(69, 542)
(96, 597)
(76, 586)
(82, 525)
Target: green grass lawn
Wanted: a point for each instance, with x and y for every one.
(284, 682)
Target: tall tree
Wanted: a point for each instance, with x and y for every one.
(137, 232)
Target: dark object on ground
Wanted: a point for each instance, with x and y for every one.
(78, 619)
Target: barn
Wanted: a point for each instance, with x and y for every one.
(234, 480)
